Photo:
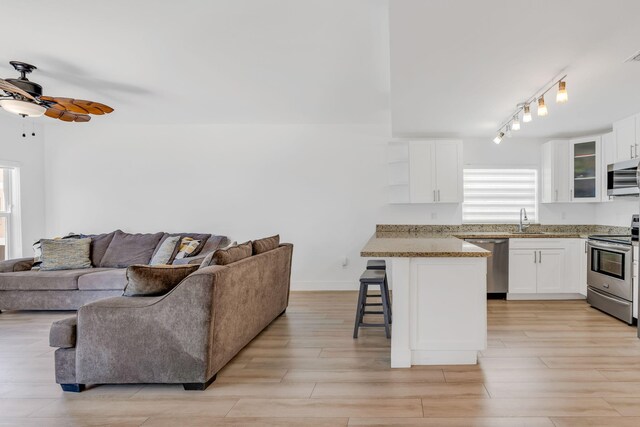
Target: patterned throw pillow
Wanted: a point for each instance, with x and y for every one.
(187, 247)
(65, 254)
(166, 250)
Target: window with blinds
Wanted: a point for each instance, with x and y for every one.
(497, 195)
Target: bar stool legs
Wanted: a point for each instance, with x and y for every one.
(374, 278)
(380, 264)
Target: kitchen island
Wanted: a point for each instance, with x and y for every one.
(439, 298)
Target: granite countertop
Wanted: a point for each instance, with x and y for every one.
(447, 240)
(421, 247)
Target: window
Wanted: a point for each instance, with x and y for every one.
(497, 195)
(8, 221)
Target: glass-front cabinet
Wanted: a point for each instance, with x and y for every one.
(584, 175)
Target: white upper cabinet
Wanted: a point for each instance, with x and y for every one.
(572, 170)
(430, 172)
(585, 173)
(448, 165)
(555, 172)
(626, 133)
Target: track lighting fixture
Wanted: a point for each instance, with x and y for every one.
(562, 96)
(542, 108)
(514, 122)
(526, 115)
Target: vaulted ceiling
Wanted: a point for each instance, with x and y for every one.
(430, 68)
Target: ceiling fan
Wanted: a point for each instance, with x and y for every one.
(24, 97)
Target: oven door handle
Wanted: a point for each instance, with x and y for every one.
(618, 248)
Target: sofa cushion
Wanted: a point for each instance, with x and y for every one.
(65, 254)
(99, 245)
(265, 245)
(43, 280)
(232, 254)
(166, 251)
(104, 280)
(63, 333)
(127, 249)
(145, 280)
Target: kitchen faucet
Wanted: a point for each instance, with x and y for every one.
(523, 218)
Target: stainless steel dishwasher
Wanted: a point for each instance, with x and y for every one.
(497, 265)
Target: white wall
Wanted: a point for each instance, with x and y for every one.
(617, 212)
(28, 154)
(322, 188)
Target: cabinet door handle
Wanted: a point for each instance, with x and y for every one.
(438, 195)
(434, 195)
(535, 257)
(540, 256)
(631, 151)
(636, 149)
(556, 195)
(571, 194)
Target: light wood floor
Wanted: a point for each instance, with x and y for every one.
(548, 363)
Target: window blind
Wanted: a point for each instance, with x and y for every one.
(497, 195)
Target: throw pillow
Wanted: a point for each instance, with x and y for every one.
(145, 280)
(188, 246)
(265, 245)
(165, 252)
(128, 249)
(208, 260)
(37, 255)
(65, 254)
(232, 254)
(99, 245)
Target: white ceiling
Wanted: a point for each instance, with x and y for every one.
(450, 67)
(196, 61)
(458, 68)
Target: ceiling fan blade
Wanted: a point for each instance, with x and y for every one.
(66, 116)
(79, 106)
(8, 87)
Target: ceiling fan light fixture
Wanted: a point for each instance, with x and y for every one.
(562, 96)
(23, 108)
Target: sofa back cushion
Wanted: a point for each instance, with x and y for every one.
(99, 245)
(265, 245)
(232, 254)
(145, 280)
(127, 249)
(65, 254)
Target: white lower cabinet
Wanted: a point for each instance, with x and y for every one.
(544, 268)
(636, 293)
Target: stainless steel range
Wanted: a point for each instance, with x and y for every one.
(610, 275)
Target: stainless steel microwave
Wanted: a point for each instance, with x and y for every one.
(623, 178)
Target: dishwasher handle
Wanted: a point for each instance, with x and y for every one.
(494, 241)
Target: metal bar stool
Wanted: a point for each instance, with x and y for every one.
(380, 264)
(372, 278)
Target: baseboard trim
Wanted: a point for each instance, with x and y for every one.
(325, 286)
(533, 297)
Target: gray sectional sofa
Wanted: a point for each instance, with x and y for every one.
(22, 288)
(184, 336)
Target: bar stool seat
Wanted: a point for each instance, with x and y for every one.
(372, 278)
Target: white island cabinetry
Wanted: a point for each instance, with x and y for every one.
(439, 299)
